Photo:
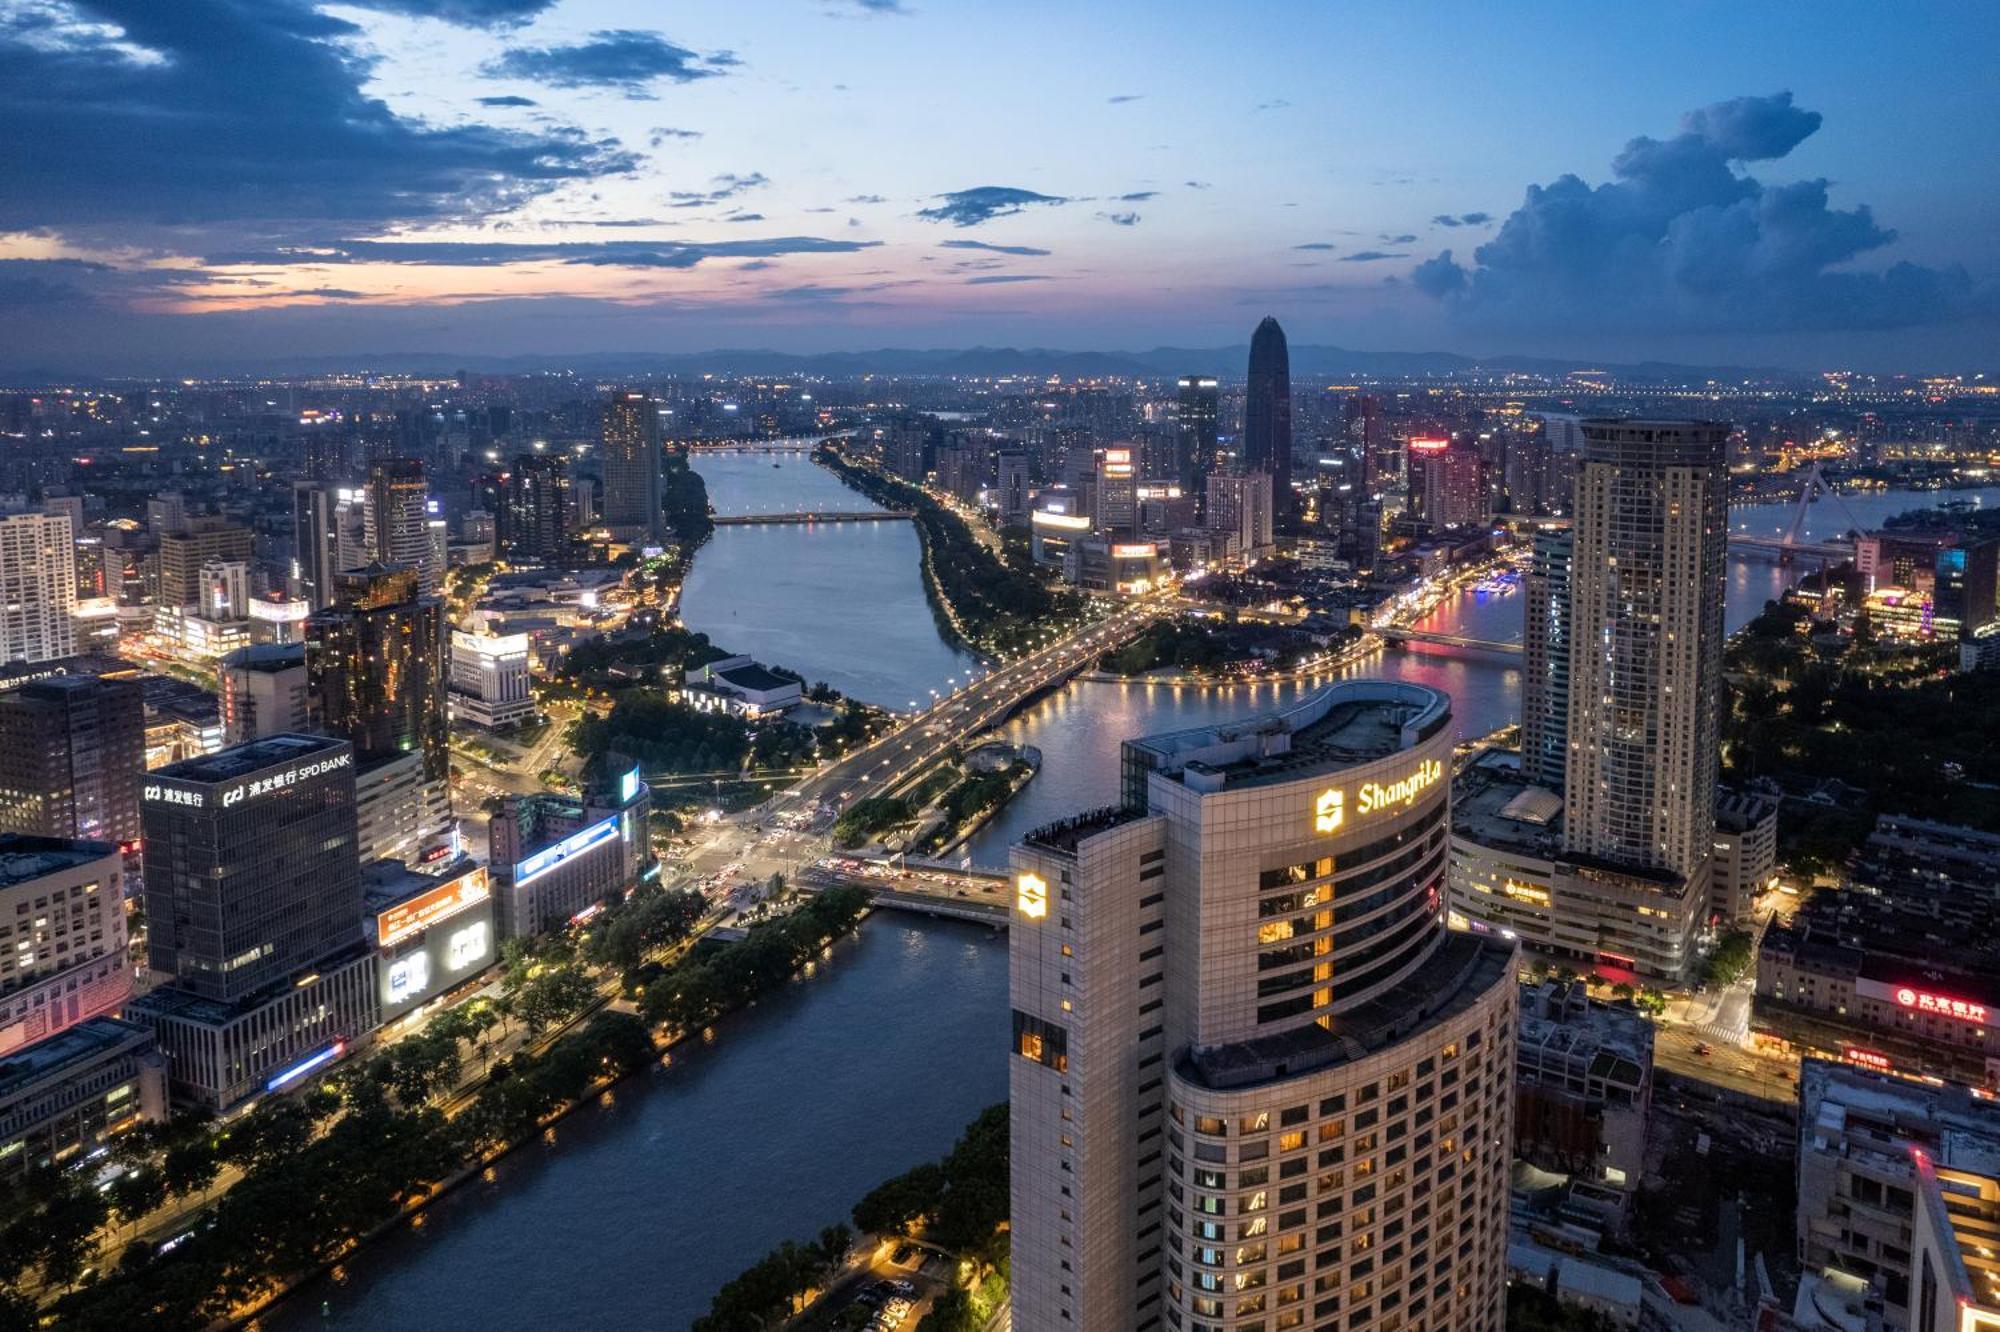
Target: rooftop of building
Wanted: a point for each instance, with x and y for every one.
(1338, 727)
(1559, 1020)
(269, 751)
(1462, 969)
(1064, 835)
(1493, 804)
(23, 857)
(387, 882)
(1739, 811)
(1841, 1104)
(755, 678)
(267, 658)
(88, 1040)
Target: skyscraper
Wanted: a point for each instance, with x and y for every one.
(1255, 1080)
(538, 507)
(630, 458)
(376, 666)
(316, 543)
(1197, 414)
(37, 586)
(1267, 413)
(397, 521)
(204, 539)
(1545, 674)
(72, 750)
(1242, 507)
(265, 691)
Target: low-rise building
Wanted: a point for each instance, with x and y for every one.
(741, 688)
(1614, 1296)
(1583, 1093)
(67, 1095)
(62, 936)
(489, 679)
(553, 858)
(434, 932)
(1860, 1136)
(1746, 854)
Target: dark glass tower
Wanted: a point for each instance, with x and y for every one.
(1195, 418)
(1267, 414)
(375, 664)
(71, 752)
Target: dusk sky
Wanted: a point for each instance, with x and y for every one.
(205, 184)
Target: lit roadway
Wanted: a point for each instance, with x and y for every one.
(751, 846)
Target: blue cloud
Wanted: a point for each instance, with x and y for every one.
(1121, 219)
(727, 186)
(968, 208)
(1121, 98)
(1681, 241)
(1461, 220)
(996, 249)
(465, 13)
(1137, 196)
(662, 134)
(508, 101)
(242, 113)
(625, 58)
(1316, 245)
(1370, 256)
(488, 254)
(995, 279)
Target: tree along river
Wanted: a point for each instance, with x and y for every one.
(634, 1212)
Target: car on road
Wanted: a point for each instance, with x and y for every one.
(1704, 1049)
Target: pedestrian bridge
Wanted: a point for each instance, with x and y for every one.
(808, 519)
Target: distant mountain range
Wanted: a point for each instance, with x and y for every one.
(1309, 361)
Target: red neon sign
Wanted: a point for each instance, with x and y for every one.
(1854, 1054)
(1941, 1005)
(1430, 445)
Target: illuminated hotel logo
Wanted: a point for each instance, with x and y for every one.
(1327, 811)
(1375, 796)
(1943, 1007)
(1031, 897)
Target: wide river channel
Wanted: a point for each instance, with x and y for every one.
(633, 1212)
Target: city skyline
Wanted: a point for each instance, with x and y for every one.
(222, 186)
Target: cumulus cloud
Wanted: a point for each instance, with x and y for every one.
(985, 245)
(207, 111)
(1682, 240)
(983, 203)
(628, 59)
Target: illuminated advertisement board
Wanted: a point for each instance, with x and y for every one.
(1064, 522)
(1923, 1001)
(1134, 550)
(535, 866)
(1329, 807)
(278, 781)
(419, 913)
(311, 1062)
(1031, 896)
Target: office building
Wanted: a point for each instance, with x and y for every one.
(316, 543)
(1117, 495)
(1861, 1137)
(37, 586)
(1967, 586)
(68, 1095)
(186, 552)
(554, 857)
(1545, 668)
(72, 751)
(540, 508)
(250, 863)
(1239, 506)
(62, 936)
(1645, 697)
(1014, 490)
(1197, 421)
(1256, 1082)
(489, 679)
(1584, 1094)
(631, 463)
(1267, 414)
(396, 522)
(377, 675)
(265, 690)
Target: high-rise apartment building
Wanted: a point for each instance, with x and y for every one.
(1646, 594)
(1267, 413)
(1453, 487)
(1015, 490)
(1545, 671)
(539, 508)
(1241, 506)
(251, 873)
(37, 586)
(315, 543)
(397, 521)
(207, 539)
(1255, 1081)
(631, 463)
(72, 750)
(1197, 422)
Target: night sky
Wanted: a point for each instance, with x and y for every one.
(209, 184)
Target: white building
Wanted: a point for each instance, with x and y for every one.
(1256, 1082)
(264, 691)
(489, 679)
(1240, 506)
(37, 586)
(741, 688)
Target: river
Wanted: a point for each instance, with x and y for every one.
(634, 1211)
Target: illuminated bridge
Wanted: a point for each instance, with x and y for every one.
(769, 519)
(1397, 634)
(1794, 541)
